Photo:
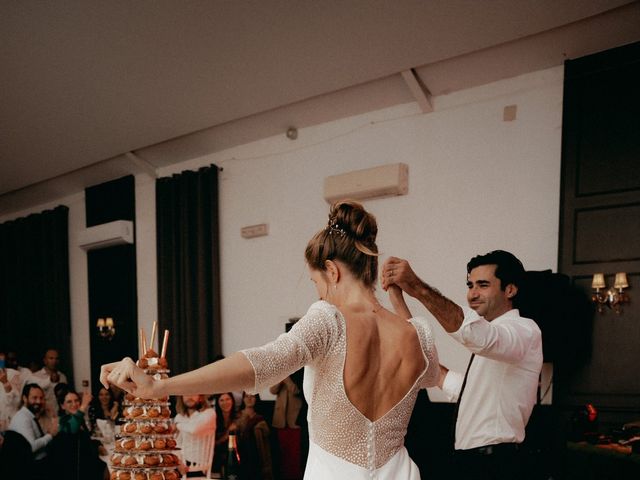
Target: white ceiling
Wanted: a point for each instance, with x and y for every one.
(84, 82)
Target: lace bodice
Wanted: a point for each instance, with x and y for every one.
(319, 342)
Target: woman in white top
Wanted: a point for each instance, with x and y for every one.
(364, 365)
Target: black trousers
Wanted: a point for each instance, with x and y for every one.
(504, 461)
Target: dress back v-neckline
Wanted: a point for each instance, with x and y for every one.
(406, 394)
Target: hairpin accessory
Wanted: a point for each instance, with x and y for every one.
(334, 228)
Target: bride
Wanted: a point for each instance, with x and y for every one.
(364, 365)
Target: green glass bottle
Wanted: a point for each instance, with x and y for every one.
(232, 468)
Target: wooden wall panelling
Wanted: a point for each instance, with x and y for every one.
(600, 219)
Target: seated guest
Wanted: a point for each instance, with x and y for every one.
(73, 454)
(253, 441)
(25, 422)
(72, 412)
(104, 407)
(194, 419)
(194, 416)
(226, 417)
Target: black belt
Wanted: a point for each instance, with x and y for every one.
(491, 449)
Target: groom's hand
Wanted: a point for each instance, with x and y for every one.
(398, 271)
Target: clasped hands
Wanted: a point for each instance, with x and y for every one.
(397, 271)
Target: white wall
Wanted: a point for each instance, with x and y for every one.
(476, 183)
(146, 267)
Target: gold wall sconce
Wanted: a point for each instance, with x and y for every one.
(106, 327)
(613, 297)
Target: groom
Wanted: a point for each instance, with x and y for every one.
(497, 393)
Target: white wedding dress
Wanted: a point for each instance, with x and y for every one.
(343, 443)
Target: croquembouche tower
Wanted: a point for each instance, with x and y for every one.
(145, 447)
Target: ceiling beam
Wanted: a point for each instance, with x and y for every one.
(144, 165)
(419, 91)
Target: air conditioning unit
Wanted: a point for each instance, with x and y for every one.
(383, 181)
(106, 235)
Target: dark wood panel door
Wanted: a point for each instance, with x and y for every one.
(600, 218)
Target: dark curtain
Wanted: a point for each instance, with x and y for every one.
(189, 267)
(34, 286)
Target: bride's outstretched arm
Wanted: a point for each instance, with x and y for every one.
(252, 369)
(234, 373)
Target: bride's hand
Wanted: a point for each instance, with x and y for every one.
(126, 375)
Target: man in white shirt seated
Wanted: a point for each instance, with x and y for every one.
(195, 419)
(497, 393)
(194, 415)
(25, 422)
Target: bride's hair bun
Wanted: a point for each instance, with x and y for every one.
(357, 223)
(350, 236)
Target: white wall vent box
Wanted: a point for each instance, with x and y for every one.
(106, 235)
(253, 231)
(383, 181)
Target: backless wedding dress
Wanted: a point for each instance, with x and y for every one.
(343, 443)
